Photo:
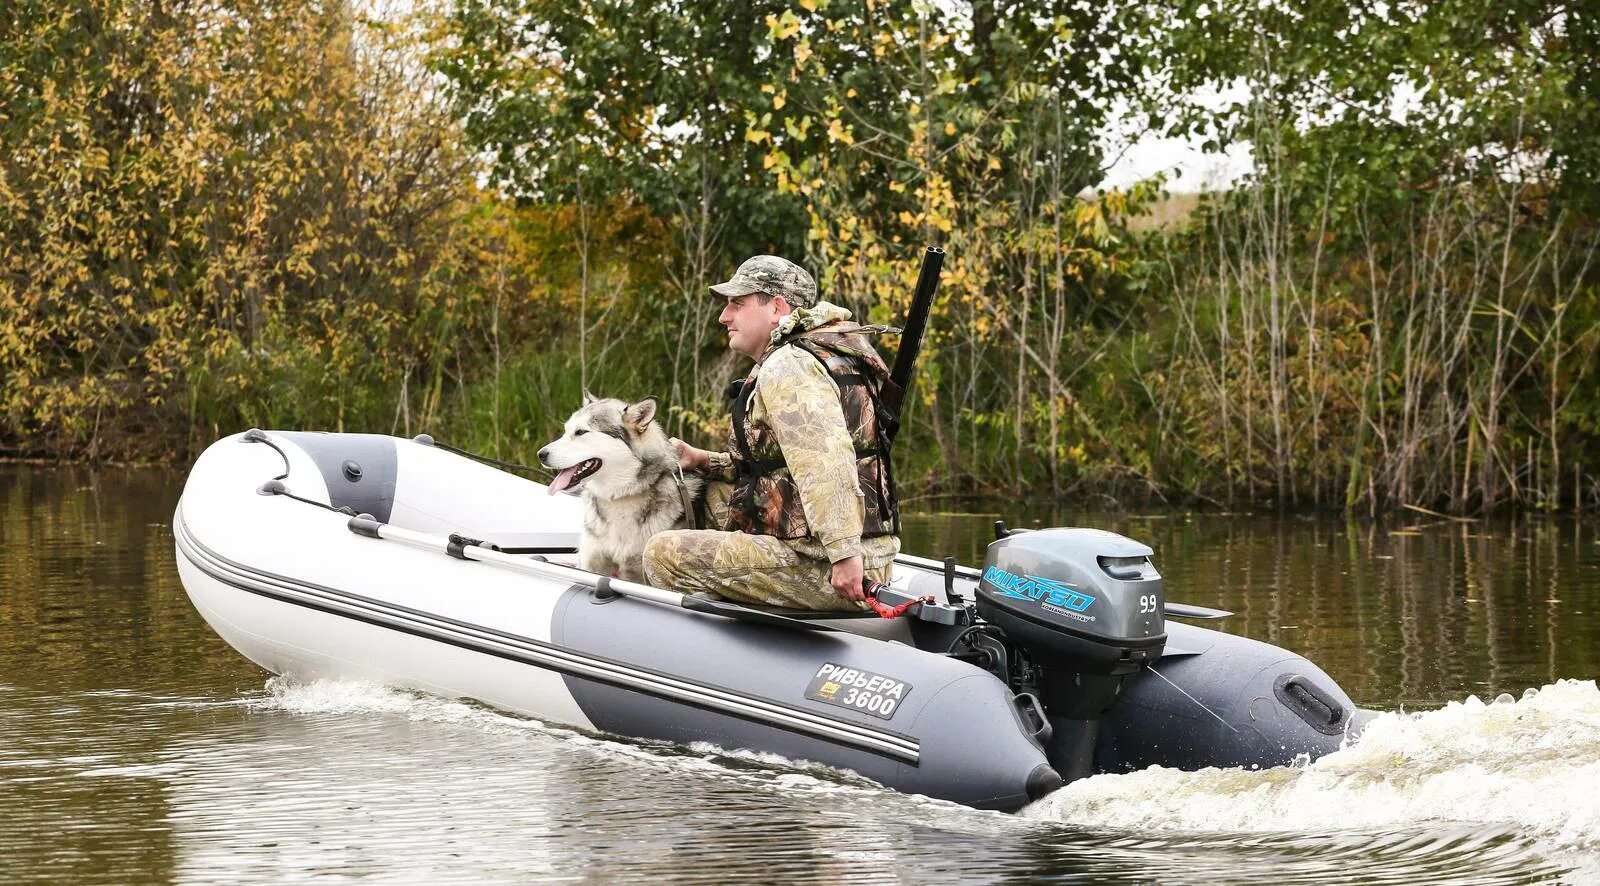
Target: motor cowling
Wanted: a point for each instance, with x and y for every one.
(1084, 599)
(1086, 608)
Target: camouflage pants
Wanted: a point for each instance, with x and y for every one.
(745, 568)
(741, 567)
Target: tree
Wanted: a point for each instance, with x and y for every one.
(213, 217)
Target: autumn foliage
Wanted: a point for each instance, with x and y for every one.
(453, 217)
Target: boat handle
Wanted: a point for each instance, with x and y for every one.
(1033, 718)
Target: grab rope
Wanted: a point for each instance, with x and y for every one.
(427, 440)
(256, 435)
(275, 486)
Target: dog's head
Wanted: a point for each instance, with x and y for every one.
(605, 443)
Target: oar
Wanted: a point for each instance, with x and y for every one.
(1185, 610)
(463, 548)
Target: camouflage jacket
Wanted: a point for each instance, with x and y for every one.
(803, 451)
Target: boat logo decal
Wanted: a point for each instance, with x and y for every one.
(1047, 592)
(857, 690)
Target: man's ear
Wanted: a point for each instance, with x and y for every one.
(588, 397)
(781, 306)
(639, 414)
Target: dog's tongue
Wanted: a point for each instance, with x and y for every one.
(563, 479)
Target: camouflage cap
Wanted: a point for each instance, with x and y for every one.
(774, 276)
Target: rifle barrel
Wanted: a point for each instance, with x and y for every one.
(917, 318)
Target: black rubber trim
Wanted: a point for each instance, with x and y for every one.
(912, 758)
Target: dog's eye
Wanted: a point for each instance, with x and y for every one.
(579, 433)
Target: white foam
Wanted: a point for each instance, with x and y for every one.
(1531, 765)
(759, 769)
(363, 697)
(337, 697)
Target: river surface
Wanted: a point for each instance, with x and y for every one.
(136, 747)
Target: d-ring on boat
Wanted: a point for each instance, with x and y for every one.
(386, 559)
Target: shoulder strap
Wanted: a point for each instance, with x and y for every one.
(741, 404)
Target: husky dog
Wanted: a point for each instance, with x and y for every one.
(623, 466)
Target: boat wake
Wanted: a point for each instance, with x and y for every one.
(1529, 767)
(340, 697)
(1532, 765)
(1507, 791)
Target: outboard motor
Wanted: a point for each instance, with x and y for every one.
(1085, 608)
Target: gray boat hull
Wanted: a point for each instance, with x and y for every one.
(280, 575)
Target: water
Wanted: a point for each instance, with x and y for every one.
(136, 747)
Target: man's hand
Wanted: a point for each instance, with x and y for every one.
(690, 458)
(846, 578)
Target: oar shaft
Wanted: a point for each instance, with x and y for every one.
(514, 562)
(1186, 610)
(468, 549)
(936, 566)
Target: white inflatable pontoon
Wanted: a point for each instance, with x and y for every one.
(392, 560)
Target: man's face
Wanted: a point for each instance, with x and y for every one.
(750, 323)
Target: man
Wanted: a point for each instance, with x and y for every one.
(811, 510)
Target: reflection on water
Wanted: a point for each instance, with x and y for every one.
(136, 747)
(1401, 613)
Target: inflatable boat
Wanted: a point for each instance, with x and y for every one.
(393, 560)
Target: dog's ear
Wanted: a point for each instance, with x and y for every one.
(588, 397)
(639, 414)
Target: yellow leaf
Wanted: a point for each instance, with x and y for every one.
(949, 129)
(788, 25)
